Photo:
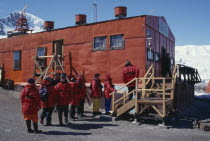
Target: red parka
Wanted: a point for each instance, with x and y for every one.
(30, 100)
(82, 87)
(74, 96)
(63, 93)
(96, 88)
(51, 95)
(129, 73)
(108, 86)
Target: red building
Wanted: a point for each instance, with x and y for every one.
(101, 47)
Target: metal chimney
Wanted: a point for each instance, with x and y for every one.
(120, 12)
(80, 19)
(48, 25)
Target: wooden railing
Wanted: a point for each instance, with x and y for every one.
(147, 88)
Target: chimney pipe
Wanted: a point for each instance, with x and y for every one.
(80, 19)
(120, 12)
(48, 25)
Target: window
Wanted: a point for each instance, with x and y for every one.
(117, 41)
(16, 59)
(99, 43)
(41, 52)
(157, 57)
(150, 55)
(58, 50)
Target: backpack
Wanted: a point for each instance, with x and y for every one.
(43, 93)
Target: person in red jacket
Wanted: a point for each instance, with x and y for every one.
(63, 98)
(83, 95)
(96, 93)
(74, 98)
(49, 103)
(130, 72)
(30, 105)
(108, 89)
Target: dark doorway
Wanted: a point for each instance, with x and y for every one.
(58, 50)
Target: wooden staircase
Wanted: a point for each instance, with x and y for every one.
(126, 108)
(155, 92)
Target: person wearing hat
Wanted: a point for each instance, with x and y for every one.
(63, 98)
(30, 105)
(48, 103)
(130, 72)
(96, 94)
(82, 95)
(74, 98)
(108, 89)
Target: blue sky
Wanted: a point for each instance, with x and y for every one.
(189, 20)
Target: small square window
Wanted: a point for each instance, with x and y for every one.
(117, 41)
(150, 55)
(41, 51)
(99, 43)
(17, 60)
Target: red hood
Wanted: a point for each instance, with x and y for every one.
(108, 77)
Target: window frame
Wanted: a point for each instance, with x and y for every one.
(98, 48)
(117, 47)
(38, 51)
(17, 68)
(42, 61)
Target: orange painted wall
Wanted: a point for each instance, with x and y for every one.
(78, 42)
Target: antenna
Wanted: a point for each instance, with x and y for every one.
(23, 11)
(95, 12)
(151, 11)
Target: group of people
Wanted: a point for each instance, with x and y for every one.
(60, 93)
(68, 98)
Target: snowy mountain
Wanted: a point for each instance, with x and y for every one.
(8, 23)
(197, 56)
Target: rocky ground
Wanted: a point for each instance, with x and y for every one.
(12, 126)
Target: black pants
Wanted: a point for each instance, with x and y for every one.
(61, 110)
(47, 112)
(72, 111)
(130, 97)
(165, 72)
(80, 108)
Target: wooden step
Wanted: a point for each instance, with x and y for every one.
(154, 100)
(125, 108)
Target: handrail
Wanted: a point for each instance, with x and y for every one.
(124, 96)
(148, 70)
(124, 86)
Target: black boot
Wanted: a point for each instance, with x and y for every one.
(36, 131)
(60, 117)
(28, 124)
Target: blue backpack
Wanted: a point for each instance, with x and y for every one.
(43, 93)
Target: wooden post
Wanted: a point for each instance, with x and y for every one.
(143, 87)
(136, 96)
(113, 98)
(124, 97)
(62, 69)
(164, 97)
